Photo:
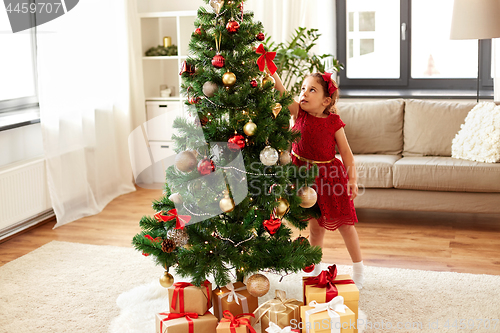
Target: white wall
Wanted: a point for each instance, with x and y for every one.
(168, 5)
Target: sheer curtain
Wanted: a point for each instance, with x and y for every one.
(88, 104)
(281, 17)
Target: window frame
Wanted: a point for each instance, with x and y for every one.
(406, 81)
(28, 102)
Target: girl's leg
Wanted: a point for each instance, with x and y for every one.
(351, 240)
(316, 235)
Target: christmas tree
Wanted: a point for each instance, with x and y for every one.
(233, 195)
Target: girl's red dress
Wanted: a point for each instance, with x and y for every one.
(318, 143)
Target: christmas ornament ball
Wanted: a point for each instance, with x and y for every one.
(268, 79)
(269, 156)
(236, 142)
(283, 207)
(185, 161)
(197, 31)
(232, 26)
(254, 83)
(308, 196)
(166, 280)
(308, 269)
(229, 79)
(209, 88)
(258, 285)
(250, 128)
(218, 61)
(285, 157)
(206, 166)
(226, 203)
(260, 36)
(301, 240)
(277, 109)
(176, 198)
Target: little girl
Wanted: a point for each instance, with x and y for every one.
(321, 128)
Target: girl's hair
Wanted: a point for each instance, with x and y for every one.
(335, 96)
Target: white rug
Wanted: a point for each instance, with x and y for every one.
(70, 287)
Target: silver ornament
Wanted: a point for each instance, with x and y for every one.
(269, 156)
(216, 5)
(209, 88)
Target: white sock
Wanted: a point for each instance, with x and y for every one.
(317, 270)
(358, 274)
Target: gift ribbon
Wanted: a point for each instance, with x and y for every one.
(180, 220)
(236, 296)
(266, 59)
(273, 328)
(237, 321)
(276, 306)
(332, 307)
(188, 315)
(326, 279)
(179, 293)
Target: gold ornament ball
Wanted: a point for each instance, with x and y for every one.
(258, 285)
(185, 161)
(283, 207)
(166, 280)
(267, 79)
(250, 128)
(308, 196)
(285, 157)
(229, 79)
(176, 198)
(226, 203)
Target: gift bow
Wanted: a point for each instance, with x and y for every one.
(326, 279)
(232, 294)
(188, 315)
(180, 220)
(237, 321)
(266, 59)
(236, 296)
(273, 328)
(275, 306)
(332, 307)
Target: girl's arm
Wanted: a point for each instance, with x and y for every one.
(348, 159)
(294, 107)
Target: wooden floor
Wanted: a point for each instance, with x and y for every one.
(417, 240)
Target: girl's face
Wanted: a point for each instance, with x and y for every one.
(312, 98)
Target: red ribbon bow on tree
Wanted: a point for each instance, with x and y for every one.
(237, 321)
(188, 315)
(326, 279)
(328, 79)
(266, 58)
(181, 220)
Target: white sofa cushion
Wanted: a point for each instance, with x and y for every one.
(436, 173)
(479, 137)
(429, 127)
(373, 127)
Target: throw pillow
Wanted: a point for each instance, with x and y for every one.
(479, 137)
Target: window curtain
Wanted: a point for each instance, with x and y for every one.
(90, 101)
(281, 17)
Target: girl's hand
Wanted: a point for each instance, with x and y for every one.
(352, 189)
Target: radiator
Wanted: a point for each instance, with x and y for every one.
(24, 197)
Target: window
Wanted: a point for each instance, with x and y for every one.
(18, 86)
(405, 44)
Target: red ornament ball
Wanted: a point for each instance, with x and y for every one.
(260, 36)
(218, 61)
(206, 166)
(308, 269)
(197, 31)
(236, 142)
(301, 240)
(254, 83)
(232, 26)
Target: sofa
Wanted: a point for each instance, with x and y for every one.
(402, 150)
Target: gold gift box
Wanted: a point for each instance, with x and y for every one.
(203, 324)
(196, 299)
(248, 303)
(321, 322)
(225, 327)
(280, 311)
(349, 291)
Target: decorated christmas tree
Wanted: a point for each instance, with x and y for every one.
(233, 195)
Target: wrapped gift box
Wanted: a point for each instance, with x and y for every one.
(241, 323)
(349, 291)
(280, 310)
(224, 299)
(186, 324)
(185, 297)
(322, 322)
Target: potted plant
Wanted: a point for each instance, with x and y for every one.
(294, 58)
